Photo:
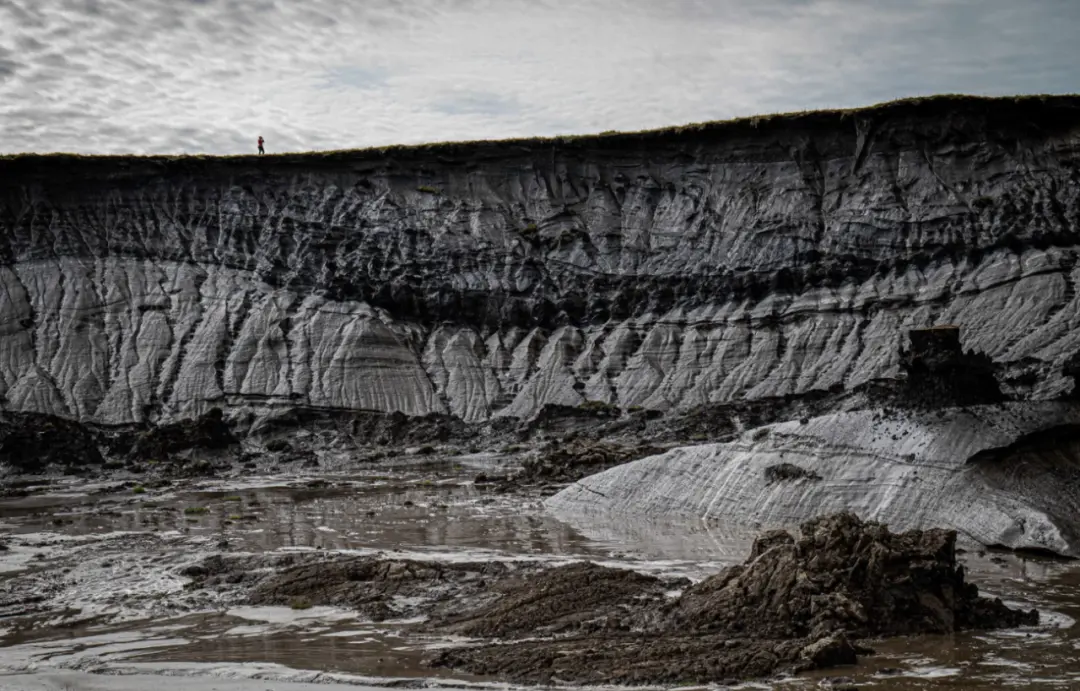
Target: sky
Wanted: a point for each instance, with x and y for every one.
(210, 76)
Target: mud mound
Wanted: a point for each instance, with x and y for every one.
(844, 575)
(792, 606)
(572, 461)
(576, 597)
(382, 588)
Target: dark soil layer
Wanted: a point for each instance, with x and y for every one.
(209, 431)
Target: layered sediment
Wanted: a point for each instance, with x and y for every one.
(666, 270)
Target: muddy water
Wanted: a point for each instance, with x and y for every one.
(106, 556)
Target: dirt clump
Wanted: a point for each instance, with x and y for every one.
(940, 373)
(794, 605)
(631, 659)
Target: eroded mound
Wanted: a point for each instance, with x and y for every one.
(793, 605)
(848, 576)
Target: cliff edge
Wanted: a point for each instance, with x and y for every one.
(668, 269)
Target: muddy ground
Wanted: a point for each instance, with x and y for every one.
(793, 605)
(411, 570)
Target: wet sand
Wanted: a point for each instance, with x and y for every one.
(106, 562)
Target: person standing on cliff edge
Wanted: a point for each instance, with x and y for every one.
(261, 149)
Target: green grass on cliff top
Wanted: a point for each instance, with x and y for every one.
(915, 104)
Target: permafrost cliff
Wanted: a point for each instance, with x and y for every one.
(664, 270)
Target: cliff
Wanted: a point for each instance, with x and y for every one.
(666, 269)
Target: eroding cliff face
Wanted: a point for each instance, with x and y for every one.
(662, 270)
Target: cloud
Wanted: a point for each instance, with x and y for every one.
(151, 76)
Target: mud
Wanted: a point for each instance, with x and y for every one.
(792, 606)
(129, 604)
(576, 598)
(376, 588)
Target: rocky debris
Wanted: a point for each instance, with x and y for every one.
(828, 652)
(35, 443)
(208, 432)
(1071, 369)
(788, 472)
(795, 604)
(571, 461)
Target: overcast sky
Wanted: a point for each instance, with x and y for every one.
(160, 76)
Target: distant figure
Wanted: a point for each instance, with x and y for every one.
(261, 149)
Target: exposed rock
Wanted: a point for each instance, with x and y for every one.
(759, 258)
(828, 652)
